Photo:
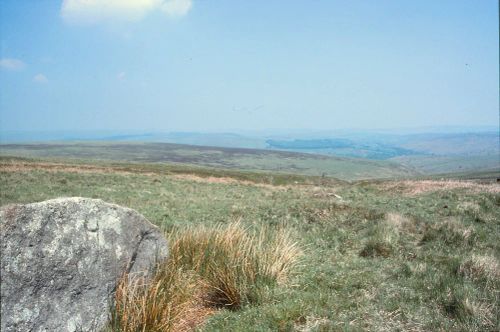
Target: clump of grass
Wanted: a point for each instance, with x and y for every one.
(312, 323)
(473, 210)
(164, 303)
(470, 208)
(208, 268)
(450, 231)
(480, 267)
(383, 237)
(473, 314)
(482, 314)
(401, 222)
(235, 262)
(376, 248)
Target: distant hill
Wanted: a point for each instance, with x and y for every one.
(341, 147)
(434, 152)
(429, 153)
(454, 144)
(229, 158)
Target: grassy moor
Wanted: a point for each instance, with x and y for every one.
(267, 252)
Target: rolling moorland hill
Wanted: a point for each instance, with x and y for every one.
(226, 158)
(273, 240)
(429, 153)
(427, 150)
(379, 255)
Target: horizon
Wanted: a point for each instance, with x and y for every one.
(134, 135)
(187, 66)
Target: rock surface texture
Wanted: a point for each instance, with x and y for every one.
(61, 260)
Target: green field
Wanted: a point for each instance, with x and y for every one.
(226, 158)
(420, 255)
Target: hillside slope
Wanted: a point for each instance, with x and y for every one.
(228, 158)
(410, 255)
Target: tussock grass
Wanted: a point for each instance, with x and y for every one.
(472, 313)
(399, 222)
(473, 210)
(235, 262)
(223, 266)
(383, 237)
(483, 313)
(164, 303)
(451, 232)
(480, 267)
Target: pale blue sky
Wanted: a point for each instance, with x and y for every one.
(225, 65)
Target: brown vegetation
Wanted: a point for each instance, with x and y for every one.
(417, 187)
(209, 268)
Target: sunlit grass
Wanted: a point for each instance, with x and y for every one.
(226, 266)
(439, 271)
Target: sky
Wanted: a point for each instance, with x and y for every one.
(198, 65)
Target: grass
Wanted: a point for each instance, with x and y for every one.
(236, 264)
(167, 302)
(440, 271)
(226, 266)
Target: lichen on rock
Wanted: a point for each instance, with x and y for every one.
(61, 260)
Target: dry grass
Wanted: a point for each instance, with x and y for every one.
(23, 167)
(480, 267)
(412, 188)
(234, 261)
(471, 208)
(400, 222)
(165, 303)
(481, 311)
(396, 320)
(450, 231)
(226, 180)
(312, 323)
(472, 312)
(208, 268)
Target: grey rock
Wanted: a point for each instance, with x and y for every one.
(61, 261)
